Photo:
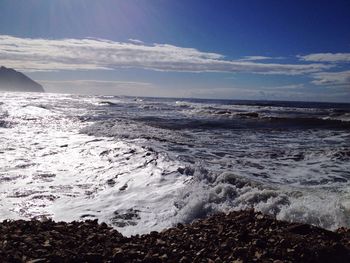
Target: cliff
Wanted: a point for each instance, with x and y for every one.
(12, 80)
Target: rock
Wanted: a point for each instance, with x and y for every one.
(117, 257)
(38, 260)
(259, 243)
(93, 257)
(242, 236)
(160, 242)
(180, 226)
(184, 259)
(123, 187)
(301, 229)
(110, 182)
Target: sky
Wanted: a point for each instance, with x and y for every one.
(221, 49)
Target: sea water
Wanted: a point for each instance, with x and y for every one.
(143, 164)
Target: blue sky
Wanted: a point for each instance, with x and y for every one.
(285, 50)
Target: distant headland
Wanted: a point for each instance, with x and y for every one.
(12, 80)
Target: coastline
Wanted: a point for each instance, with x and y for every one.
(242, 236)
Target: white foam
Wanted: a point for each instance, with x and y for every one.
(124, 172)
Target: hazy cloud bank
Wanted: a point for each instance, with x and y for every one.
(100, 87)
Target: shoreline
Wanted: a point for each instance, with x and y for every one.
(241, 236)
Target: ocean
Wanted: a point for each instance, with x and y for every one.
(143, 164)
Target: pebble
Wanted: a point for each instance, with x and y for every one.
(242, 236)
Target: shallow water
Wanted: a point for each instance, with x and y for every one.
(145, 164)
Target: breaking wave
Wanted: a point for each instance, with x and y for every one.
(145, 164)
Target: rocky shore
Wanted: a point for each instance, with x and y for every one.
(244, 236)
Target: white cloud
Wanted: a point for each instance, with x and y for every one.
(254, 58)
(286, 87)
(326, 57)
(136, 41)
(96, 54)
(341, 78)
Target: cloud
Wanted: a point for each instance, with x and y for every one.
(288, 92)
(99, 87)
(325, 78)
(84, 82)
(286, 87)
(254, 58)
(326, 57)
(98, 54)
(341, 78)
(136, 41)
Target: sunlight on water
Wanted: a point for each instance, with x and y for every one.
(143, 165)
